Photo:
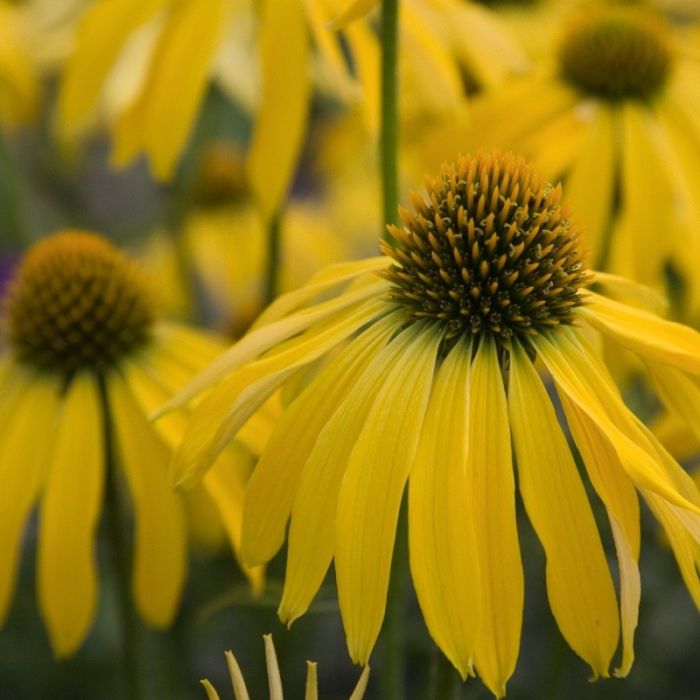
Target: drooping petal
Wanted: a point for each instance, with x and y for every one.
(644, 333)
(491, 488)
(160, 545)
(70, 507)
(679, 392)
(442, 549)
(216, 420)
(579, 585)
(619, 496)
(281, 120)
(369, 500)
(273, 485)
(29, 407)
(312, 532)
(265, 337)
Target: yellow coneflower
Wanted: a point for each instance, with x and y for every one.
(156, 58)
(420, 368)
(87, 355)
(240, 691)
(615, 115)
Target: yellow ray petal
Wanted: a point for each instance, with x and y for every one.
(617, 493)
(30, 407)
(589, 184)
(353, 10)
(239, 688)
(209, 690)
(217, 419)
(630, 292)
(272, 488)
(281, 120)
(366, 54)
(644, 333)
(311, 692)
(225, 482)
(442, 549)
(369, 500)
(312, 530)
(160, 546)
(102, 33)
(361, 686)
(579, 586)
(679, 392)
(273, 670)
(67, 571)
(261, 339)
(491, 487)
(581, 375)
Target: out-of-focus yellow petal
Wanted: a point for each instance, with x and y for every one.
(645, 334)
(491, 488)
(29, 407)
(354, 9)
(281, 121)
(680, 393)
(618, 494)
(177, 82)
(70, 507)
(102, 33)
(366, 55)
(312, 531)
(370, 496)
(589, 184)
(311, 692)
(160, 545)
(272, 489)
(579, 586)
(442, 549)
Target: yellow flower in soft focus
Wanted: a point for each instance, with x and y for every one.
(419, 367)
(240, 691)
(83, 335)
(19, 83)
(224, 241)
(149, 64)
(616, 113)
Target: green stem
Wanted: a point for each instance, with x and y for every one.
(115, 518)
(11, 202)
(274, 257)
(394, 628)
(389, 118)
(446, 682)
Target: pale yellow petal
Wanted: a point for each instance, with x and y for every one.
(312, 530)
(579, 585)
(160, 543)
(353, 10)
(370, 496)
(361, 686)
(311, 692)
(70, 508)
(273, 485)
(679, 392)
(30, 408)
(217, 419)
(589, 183)
(366, 54)
(209, 690)
(491, 488)
(442, 547)
(281, 121)
(240, 691)
(273, 670)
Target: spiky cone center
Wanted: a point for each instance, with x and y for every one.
(487, 249)
(615, 54)
(76, 302)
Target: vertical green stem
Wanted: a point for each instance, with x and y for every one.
(389, 119)
(394, 628)
(12, 218)
(446, 683)
(274, 256)
(116, 520)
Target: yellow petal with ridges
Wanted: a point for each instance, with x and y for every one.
(442, 549)
(160, 543)
(273, 485)
(579, 587)
(70, 508)
(30, 407)
(620, 498)
(370, 496)
(312, 533)
(491, 488)
(281, 120)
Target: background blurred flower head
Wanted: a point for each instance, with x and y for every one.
(613, 111)
(424, 374)
(86, 355)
